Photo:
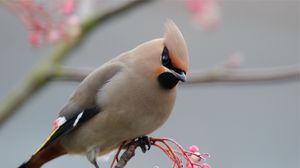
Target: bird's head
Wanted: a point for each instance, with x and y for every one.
(174, 59)
(165, 59)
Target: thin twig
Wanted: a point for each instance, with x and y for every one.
(127, 155)
(70, 74)
(116, 158)
(41, 74)
(245, 75)
(178, 155)
(208, 76)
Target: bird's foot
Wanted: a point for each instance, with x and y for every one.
(94, 162)
(92, 156)
(144, 143)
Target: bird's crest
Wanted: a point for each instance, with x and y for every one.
(176, 44)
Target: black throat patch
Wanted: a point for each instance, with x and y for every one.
(167, 80)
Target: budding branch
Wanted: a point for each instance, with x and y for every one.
(41, 74)
(177, 154)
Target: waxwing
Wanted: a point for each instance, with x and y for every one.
(128, 97)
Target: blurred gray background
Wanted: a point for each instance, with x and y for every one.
(252, 125)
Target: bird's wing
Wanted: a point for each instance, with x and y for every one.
(82, 106)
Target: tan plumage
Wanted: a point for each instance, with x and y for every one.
(130, 96)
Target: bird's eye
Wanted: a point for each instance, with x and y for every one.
(165, 59)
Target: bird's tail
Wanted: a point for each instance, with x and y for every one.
(44, 155)
(24, 165)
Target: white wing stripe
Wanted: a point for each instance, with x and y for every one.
(59, 121)
(77, 119)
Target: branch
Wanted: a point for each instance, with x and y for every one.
(245, 75)
(209, 76)
(70, 74)
(127, 155)
(41, 74)
(171, 148)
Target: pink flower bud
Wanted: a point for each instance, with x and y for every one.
(53, 36)
(68, 7)
(205, 165)
(35, 38)
(195, 5)
(206, 12)
(194, 149)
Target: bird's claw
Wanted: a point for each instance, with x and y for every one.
(144, 143)
(95, 164)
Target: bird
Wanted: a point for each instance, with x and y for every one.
(128, 97)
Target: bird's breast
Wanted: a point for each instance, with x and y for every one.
(135, 102)
(131, 106)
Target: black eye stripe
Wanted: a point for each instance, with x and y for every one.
(165, 58)
(167, 62)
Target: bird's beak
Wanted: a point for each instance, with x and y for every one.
(180, 76)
